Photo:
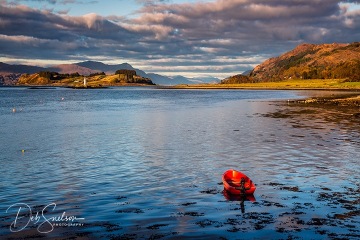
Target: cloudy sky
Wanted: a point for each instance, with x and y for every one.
(171, 37)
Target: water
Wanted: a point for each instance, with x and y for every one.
(145, 163)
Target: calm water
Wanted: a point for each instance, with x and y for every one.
(138, 163)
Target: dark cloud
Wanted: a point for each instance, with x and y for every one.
(26, 32)
(224, 36)
(230, 28)
(47, 25)
(242, 20)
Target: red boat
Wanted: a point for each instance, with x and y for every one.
(236, 182)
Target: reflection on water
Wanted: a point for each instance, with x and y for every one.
(239, 198)
(147, 163)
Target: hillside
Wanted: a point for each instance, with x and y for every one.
(72, 68)
(120, 78)
(108, 68)
(9, 69)
(10, 74)
(311, 61)
(9, 78)
(237, 79)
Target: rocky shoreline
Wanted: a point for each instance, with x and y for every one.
(342, 110)
(346, 100)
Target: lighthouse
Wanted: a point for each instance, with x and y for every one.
(85, 82)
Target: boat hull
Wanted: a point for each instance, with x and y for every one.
(237, 183)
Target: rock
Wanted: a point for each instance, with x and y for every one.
(356, 115)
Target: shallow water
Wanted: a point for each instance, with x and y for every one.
(147, 163)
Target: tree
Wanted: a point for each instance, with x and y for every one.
(128, 75)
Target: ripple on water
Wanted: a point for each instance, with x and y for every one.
(141, 163)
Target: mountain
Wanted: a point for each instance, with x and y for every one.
(207, 79)
(7, 68)
(10, 74)
(160, 79)
(180, 80)
(102, 67)
(237, 79)
(156, 78)
(311, 61)
(72, 68)
(169, 81)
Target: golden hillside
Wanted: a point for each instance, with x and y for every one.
(120, 78)
(311, 61)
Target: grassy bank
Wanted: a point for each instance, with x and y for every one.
(287, 84)
(96, 81)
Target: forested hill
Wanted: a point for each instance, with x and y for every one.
(311, 61)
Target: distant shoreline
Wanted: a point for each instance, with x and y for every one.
(245, 86)
(336, 100)
(219, 87)
(73, 87)
(311, 84)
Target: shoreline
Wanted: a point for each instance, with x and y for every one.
(289, 84)
(73, 87)
(255, 88)
(345, 100)
(335, 109)
(342, 101)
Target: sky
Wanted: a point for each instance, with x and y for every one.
(193, 38)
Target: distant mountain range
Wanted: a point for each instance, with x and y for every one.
(10, 74)
(306, 61)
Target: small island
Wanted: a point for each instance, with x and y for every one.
(122, 77)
